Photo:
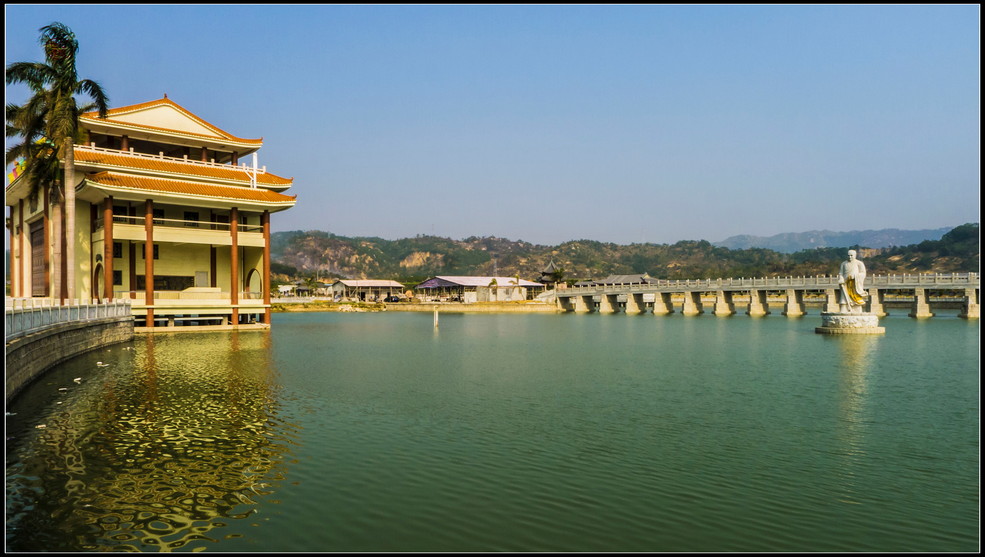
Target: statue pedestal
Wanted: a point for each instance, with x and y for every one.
(849, 324)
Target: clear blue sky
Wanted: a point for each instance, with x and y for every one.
(550, 123)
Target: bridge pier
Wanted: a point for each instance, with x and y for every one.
(920, 306)
(723, 303)
(634, 303)
(584, 304)
(692, 304)
(608, 303)
(795, 303)
(757, 304)
(831, 301)
(876, 300)
(969, 309)
(565, 304)
(662, 304)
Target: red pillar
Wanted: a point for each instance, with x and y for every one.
(107, 248)
(234, 263)
(265, 283)
(149, 261)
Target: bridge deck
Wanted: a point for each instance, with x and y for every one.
(956, 281)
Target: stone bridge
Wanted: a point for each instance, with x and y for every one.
(661, 296)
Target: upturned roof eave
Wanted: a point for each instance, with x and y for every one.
(91, 167)
(16, 191)
(124, 193)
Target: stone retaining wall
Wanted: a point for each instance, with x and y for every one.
(28, 357)
(478, 307)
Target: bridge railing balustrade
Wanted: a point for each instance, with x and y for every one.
(903, 280)
(24, 316)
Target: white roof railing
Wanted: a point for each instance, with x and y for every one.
(160, 157)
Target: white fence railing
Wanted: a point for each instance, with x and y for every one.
(140, 296)
(138, 220)
(28, 315)
(160, 156)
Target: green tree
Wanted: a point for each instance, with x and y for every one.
(52, 113)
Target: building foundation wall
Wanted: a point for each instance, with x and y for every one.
(30, 356)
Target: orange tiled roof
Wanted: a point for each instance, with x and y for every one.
(223, 172)
(167, 102)
(115, 180)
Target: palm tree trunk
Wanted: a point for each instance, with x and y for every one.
(69, 187)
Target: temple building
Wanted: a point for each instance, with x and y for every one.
(166, 215)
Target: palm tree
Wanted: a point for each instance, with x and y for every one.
(24, 122)
(53, 113)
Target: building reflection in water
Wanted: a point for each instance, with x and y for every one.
(165, 445)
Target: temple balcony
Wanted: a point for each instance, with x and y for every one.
(194, 300)
(181, 231)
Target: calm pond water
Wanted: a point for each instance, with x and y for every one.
(505, 432)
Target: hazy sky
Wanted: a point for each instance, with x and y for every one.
(550, 123)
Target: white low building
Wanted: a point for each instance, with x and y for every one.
(477, 289)
(365, 290)
(285, 290)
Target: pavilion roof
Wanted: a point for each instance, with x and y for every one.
(130, 117)
(551, 268)
(134, 184)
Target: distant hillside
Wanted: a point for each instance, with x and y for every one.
(791, 242)
(316, 254)
(410, 260)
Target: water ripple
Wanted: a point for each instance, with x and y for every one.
(502, 433)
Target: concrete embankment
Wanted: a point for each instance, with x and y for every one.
(449, 307)
(477, 307)
(29, 356)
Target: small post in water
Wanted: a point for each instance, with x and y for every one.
(435, 317)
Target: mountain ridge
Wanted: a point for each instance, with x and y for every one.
(790, 242)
